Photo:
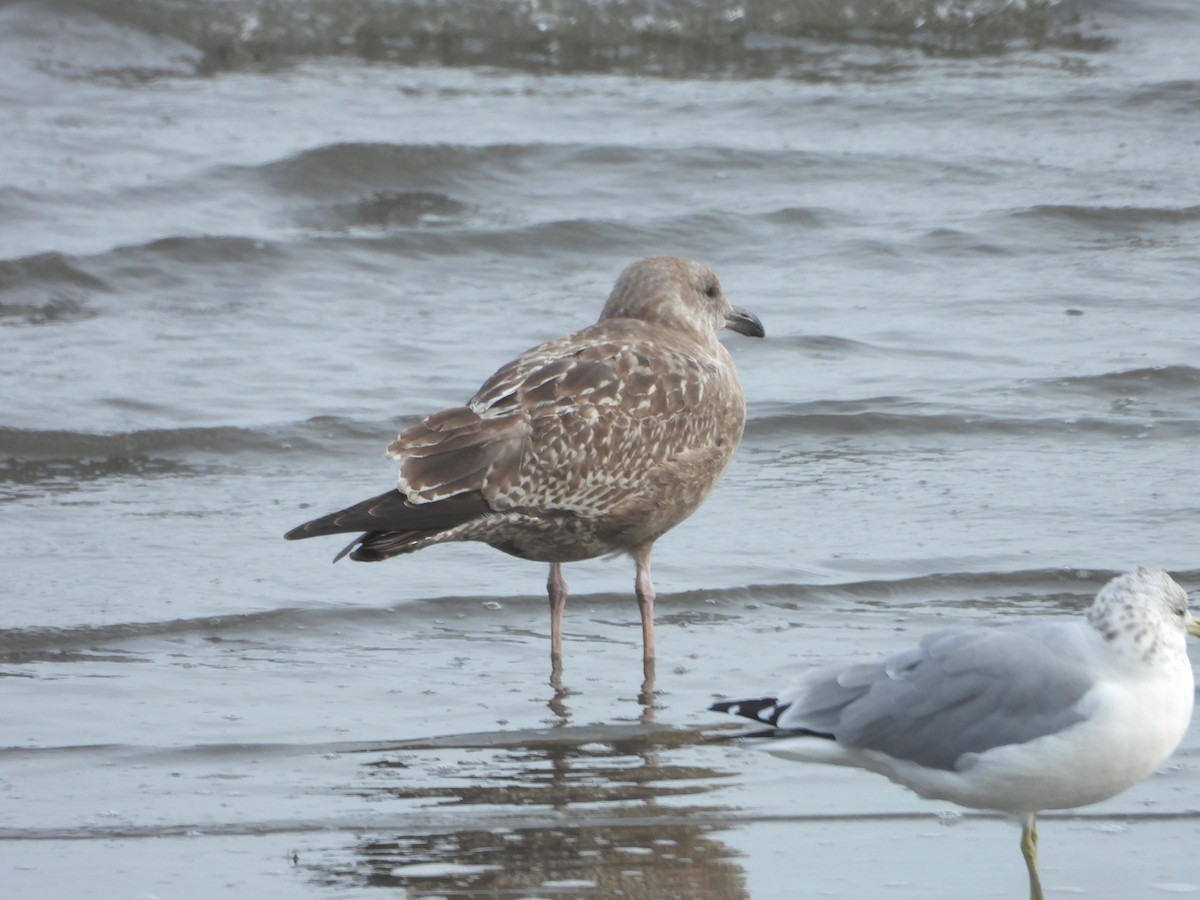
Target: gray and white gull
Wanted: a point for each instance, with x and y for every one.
(1015, 718)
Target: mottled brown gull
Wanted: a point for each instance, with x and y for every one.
(593, 444)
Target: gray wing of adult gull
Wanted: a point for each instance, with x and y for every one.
(963, 690)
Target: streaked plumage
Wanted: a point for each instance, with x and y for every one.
(1016, 718)
(595, 443)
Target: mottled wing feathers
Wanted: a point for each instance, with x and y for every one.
(583, 424)
(457, 451)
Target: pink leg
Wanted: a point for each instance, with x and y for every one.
(646, 695)
(556, 587)
(644, 588)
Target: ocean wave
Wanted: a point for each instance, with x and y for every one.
(436, 199)
(334, 170)
(479, 191)
(1158, 381)
(35, 463)
(829, 346)
(1183, 96)
(45, 289)
(1162, 398)
(54, 287)
(385, 210)
(430, 199)
(1065, 588)
(300, 437)
(45, 269)
(49, 311)
(59, 444)
(26, 645)
(1069, 587)
(24, 478)
(164, 257)
(902, 417)
(952, 243)
(343, 169)
(667, 37)
(688, 233)
(38, 462)
(1110, 217)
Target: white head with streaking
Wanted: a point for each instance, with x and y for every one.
(1015, 718)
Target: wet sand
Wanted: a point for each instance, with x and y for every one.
(316, 753)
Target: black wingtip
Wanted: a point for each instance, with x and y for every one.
(763, 709)
(725, 706)
(318, 527)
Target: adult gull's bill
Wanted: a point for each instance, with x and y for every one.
(592, 444)
(1015, 718)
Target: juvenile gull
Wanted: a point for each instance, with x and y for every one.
(595, 443)
(1015, 718)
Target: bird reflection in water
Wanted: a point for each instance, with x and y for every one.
(575, 812)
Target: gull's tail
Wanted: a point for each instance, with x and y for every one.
(392, 525)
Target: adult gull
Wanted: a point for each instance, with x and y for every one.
(593, 444)
(1015, 718)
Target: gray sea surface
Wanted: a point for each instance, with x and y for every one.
(243, 243)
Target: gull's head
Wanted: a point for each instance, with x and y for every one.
(679, 293)
(1143, 613)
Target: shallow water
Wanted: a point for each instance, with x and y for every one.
(241, 245)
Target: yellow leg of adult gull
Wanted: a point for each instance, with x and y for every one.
(1029, 851)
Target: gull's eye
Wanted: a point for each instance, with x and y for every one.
(711, 290)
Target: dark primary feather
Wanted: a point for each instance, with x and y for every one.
(391, 516)
(766, 710)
